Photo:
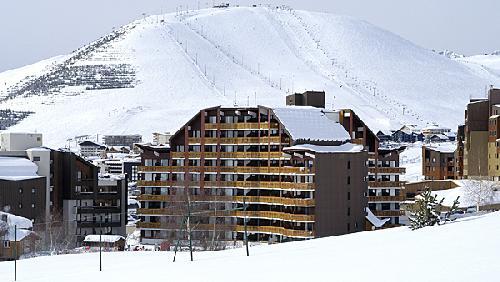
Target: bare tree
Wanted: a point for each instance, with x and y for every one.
(480, 192)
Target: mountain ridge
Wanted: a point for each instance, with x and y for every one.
(155, 73)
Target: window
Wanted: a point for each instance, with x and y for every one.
(20, 205)
(6, 244)
(348, 180)
(348, 227)
(348, 164)
(20, 190)
(33, 190)
(348, 211)
(36, 159)
(33, 206)
(348, 196)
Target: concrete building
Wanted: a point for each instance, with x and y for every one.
(292, 173)
(477, 135)
(91, 149)
(161, 138)
(308, 98)
(122, 140)
(10, 141)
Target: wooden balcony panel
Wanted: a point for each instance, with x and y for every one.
(385, 198)
(388, 213)
(398, 170)
(262, 185)
(241, 126)
(277, 230)
(388, 184)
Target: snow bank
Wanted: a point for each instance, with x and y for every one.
(466, 251)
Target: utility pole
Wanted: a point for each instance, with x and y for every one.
(100, 245)
(15, 252)
(189, 227)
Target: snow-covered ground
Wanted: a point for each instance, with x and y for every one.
(411, 159)
(465, 199)
(249, 56)
(466, 250)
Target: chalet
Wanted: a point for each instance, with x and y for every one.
(16, 236)
(384, 135)
(107, 242)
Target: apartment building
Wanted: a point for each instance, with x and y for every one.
(480, 146)
(122, 140)
(87, 203)
(384, 183)
(438, 162)
(22, 190)
(290, 173)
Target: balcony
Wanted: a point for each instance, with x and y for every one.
(231, 199)
(227, 155)
(98, 209)
(241, 126)
(238, 228)
(262, 185)
(229, 169)
(388, 213)
(224, 213)
(385, 199)
(276, 230)
(388, 184)
(397, 170)
(236, 140)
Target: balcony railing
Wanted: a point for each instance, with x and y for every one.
(251, 214)
(238, 228)
(234, 169)
(398, 170)
(385, 198)
(232, 199)
(227, 155)
(241, 126)
(276, 230)
(388, 184)
(233, 184)
(236, 140)
(388, 213)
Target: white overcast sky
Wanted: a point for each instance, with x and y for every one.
(32, 30)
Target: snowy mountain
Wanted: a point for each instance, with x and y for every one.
(155, 73)
(465, 250)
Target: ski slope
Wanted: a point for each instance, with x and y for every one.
(245, 56)
(465, 250)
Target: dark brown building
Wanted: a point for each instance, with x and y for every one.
(290, 172)
(86, 202)
(24, 197)
(438, 162)
(308, 98)
(384, 184)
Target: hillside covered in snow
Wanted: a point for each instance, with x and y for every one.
(465, 250)
(155, 73)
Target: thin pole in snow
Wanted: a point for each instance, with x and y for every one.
(100, 245)
(15, 252)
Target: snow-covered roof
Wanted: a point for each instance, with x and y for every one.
(443, 148)
(310, 123)
(344, 148)
(494, 116)
(16, 169)
(103, 238)
(440, 136)
(373, 219)
(19, 221)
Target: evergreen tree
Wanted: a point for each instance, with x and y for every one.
(426, 211)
